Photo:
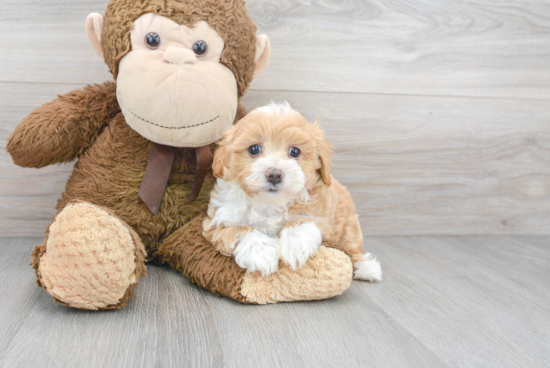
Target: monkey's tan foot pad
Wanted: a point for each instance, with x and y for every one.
(327, 274)
(91, 259)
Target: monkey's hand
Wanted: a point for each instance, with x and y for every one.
(60, 130)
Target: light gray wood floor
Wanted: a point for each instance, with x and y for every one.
(445, 301)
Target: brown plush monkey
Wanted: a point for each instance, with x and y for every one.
(181, 67)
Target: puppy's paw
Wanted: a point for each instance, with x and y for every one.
(257, 252)
(368, 268)
(299, 243)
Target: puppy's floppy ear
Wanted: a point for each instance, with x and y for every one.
(220, 161)
(325, 152)
(221, 156)
(324, 156)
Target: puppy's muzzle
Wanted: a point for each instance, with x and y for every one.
(274, 176)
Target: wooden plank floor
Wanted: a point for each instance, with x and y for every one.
(444, 302)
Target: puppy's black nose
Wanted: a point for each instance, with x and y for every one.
(274, 176)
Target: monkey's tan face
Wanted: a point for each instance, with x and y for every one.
(171, 87)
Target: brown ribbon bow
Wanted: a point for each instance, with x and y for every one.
(158, 170)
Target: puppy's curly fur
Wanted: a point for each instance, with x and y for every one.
(261, 220)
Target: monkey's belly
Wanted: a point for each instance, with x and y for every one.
(109, 174)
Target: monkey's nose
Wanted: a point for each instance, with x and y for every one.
(274, 176)
(179, 55)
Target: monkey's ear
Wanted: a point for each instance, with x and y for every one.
(94, 27)
(263, 51)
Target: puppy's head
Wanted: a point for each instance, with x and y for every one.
(274, 155)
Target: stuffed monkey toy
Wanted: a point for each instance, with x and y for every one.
(143, 149)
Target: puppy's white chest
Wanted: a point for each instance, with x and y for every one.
(265, 220)
(235, 208)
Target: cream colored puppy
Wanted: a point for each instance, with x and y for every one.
(275, 199)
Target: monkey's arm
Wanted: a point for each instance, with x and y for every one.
(60, 130)
(325, 275)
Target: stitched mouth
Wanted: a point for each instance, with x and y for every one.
(167, 127)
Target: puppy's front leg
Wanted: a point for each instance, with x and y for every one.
(257, 252)
(224, 238)
(299, 241)
(252, 249)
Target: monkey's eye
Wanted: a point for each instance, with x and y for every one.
(200, 48)
(254, 150)
(294, 152)
(152, 40)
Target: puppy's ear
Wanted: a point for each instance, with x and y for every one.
(324, 156)
(219, 161)
(325, 152)
(221, 156)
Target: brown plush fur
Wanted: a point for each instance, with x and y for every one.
(187, 251)
(61, 130)
(110, 172)
(87, 125)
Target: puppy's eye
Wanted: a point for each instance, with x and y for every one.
(294, 152)
(200, 48)
(254, 150)
(152, 40)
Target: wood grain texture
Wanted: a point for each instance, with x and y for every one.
(445, 301)
(427, 165)
(426, 47)
(378, 74)
(457, 48)
(414, 164)
(484, 292)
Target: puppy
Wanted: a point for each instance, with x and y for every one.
(275, 199)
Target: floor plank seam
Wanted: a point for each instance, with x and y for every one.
(499, 98)
(410, 333)
(372, 93)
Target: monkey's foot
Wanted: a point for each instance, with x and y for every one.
(90, 259)
(327, 274)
